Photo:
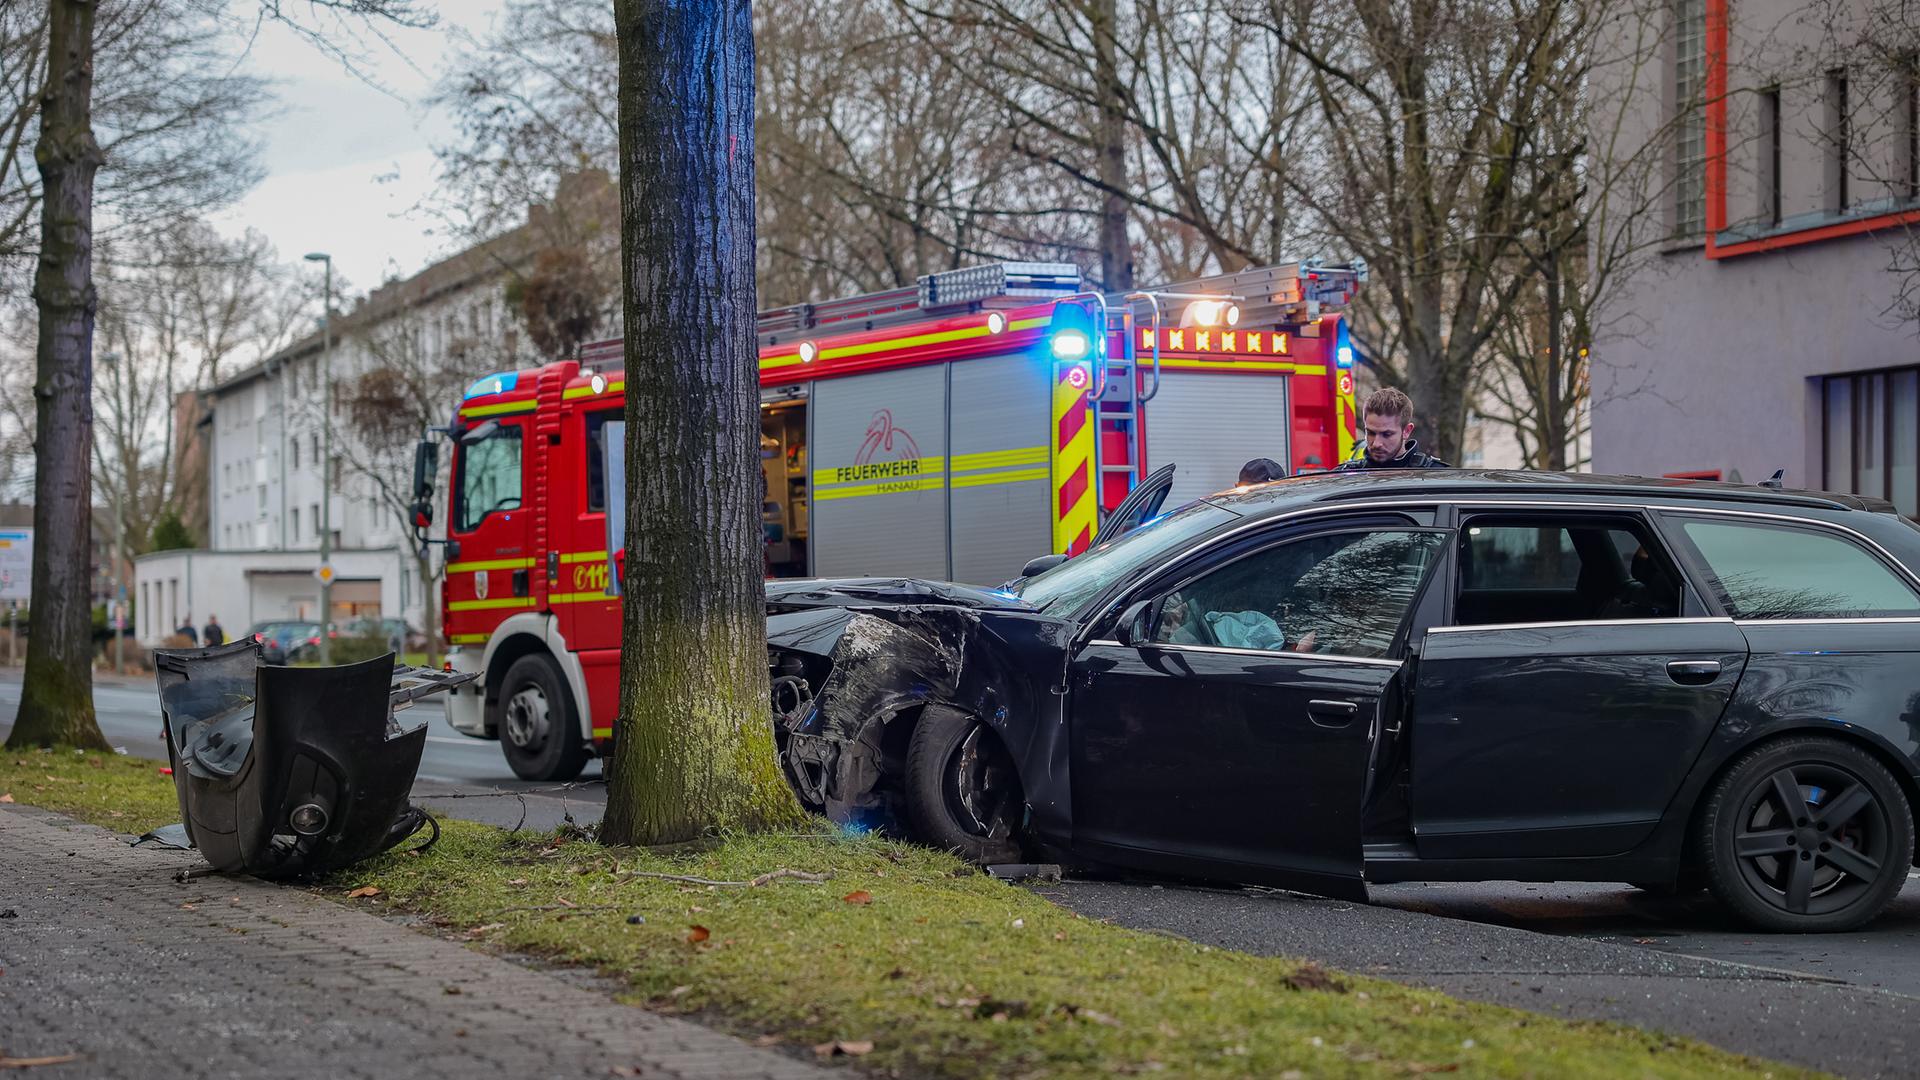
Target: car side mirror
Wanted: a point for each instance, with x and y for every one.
(426, 459)
(1134, 627)
(1041, 565)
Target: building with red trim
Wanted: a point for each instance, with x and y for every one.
(1765, 329)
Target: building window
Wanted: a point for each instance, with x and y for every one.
(296, 453)
(1871, 442)
(315, 519)
(296, 521)
(1839, 141)
(1690, 141)
(263, 498)
(1770, 155)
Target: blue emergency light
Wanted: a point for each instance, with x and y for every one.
(493, 384)
(1075, 335)
(1342, 346)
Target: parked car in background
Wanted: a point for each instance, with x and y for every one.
(395, 631)
(1348, 679)
(284, 641)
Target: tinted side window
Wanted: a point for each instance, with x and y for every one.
(1343, 593)
(1782, 572)
(1565, 570)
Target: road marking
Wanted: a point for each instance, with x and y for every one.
(461, 741)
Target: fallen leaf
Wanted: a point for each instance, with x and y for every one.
(1643, 941)
(624, 1070)
(189, 907)
(768, 1040)
(32, 1062)
(451, 990)
(363, 891)
(697, 934)
(858, 896)
(843, 1048)
(564, 902)
(7, 798)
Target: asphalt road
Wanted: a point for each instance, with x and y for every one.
(460, 776)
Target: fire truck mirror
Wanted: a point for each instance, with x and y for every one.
(426, 460)
(422, 513)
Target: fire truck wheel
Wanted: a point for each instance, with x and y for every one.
(962, 792)
(538, 729)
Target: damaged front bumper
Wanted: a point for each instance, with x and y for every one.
(291, 772)
(849, 679)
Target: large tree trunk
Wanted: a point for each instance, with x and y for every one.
(56, 700)
(693, 745)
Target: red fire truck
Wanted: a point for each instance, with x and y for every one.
(951, 430)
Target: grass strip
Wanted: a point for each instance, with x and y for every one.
(910, 962)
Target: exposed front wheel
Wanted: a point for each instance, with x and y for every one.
(1806, 835)
(963, 793)
(538, 730)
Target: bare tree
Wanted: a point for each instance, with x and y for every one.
(56, 701)
(56, 696)
(692, 747)
(167, 117)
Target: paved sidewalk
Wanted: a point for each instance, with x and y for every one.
(100, 955)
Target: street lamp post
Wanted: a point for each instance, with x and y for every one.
(326, 462)
(111, 360)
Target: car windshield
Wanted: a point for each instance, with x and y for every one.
(1067, 588)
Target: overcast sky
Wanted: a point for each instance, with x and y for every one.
(347, 162)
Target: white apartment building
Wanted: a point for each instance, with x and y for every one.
(268, 494)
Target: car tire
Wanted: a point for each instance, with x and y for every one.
(1806, 835)
(962, 790)
(539, 731)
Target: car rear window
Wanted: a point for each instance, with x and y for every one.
(1785, 572)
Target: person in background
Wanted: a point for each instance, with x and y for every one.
(212, 633)
(186, 630)
(1260, 470)
(1388, 419)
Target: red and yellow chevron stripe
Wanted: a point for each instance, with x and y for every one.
(1074, 515)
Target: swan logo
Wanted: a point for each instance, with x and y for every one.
(888, 453)
(479, 584)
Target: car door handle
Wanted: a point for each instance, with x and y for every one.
(1332, 714)
(1693, 672)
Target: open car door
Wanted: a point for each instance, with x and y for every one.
(1141, 505)
(1224, 726)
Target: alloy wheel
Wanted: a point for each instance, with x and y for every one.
(1811, 838)
(980, 785)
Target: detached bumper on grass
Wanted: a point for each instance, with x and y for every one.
(291, 772)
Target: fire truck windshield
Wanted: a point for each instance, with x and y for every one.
(1067, 588)
(489, 477)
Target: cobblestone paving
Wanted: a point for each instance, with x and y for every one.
(104, 955)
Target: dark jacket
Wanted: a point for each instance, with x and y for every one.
(187, 631)
(212, 634)
(1411, 458)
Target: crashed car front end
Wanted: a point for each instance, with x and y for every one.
(856, 664)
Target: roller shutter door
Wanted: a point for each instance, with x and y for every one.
(879, 495)
(1209, 423)
(998, 473)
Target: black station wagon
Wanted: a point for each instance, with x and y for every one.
(1439, 675)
